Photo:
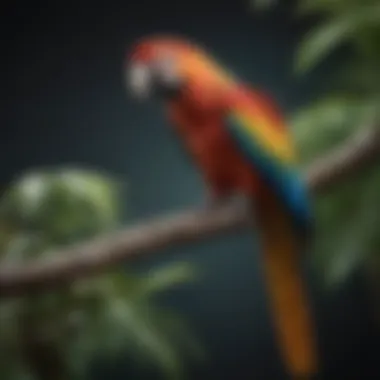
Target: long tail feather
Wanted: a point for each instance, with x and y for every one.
(281, 244)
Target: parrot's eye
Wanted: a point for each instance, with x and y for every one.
(139, 78)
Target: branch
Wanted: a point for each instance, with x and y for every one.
(186, 227)
(361, 152)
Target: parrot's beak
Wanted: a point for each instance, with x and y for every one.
(144, 81)
(139, 78)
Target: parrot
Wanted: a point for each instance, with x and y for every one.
(239, 141)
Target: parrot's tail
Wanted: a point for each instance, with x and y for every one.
(282, 245)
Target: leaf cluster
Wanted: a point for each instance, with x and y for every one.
(115, 313)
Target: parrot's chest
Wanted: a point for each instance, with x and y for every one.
(211, 147)
(203, 135)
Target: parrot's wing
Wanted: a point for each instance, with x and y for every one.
(269, 150)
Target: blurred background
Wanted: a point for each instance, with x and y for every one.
(78, 158)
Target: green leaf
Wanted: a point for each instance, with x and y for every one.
(164, 278)
(331, 34)
(97, 189)
(326, 123)
(356, 237)
(320, 42)
(128, 326)
(152, 343)
(118, 315)
(106, 314)
(61, 206)
(347, 227)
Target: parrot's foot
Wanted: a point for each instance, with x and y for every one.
(216, 202)
(212, 203)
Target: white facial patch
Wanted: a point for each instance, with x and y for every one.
(139, 80)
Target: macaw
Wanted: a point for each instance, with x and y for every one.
(239, 141)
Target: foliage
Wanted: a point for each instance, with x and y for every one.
(55, 335)
(345, 32)
(352, 22)
(348, 221)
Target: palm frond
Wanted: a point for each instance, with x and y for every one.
(344, 27)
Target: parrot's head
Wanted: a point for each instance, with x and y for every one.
(165, 66)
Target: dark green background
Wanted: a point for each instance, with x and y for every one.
(64, 102)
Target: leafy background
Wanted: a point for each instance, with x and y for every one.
(65, 108)
(55, 335)
(348, 217)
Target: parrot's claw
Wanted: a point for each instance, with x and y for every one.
(212, 203)
(216, 202)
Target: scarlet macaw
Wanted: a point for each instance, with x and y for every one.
(240, 143)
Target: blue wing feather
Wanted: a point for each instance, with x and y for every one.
(283, 178)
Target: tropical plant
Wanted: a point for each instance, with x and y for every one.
(54, 335)
(345, 32)
(349, 216)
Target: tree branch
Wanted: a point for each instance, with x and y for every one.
(191, 226)
(361, 152)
